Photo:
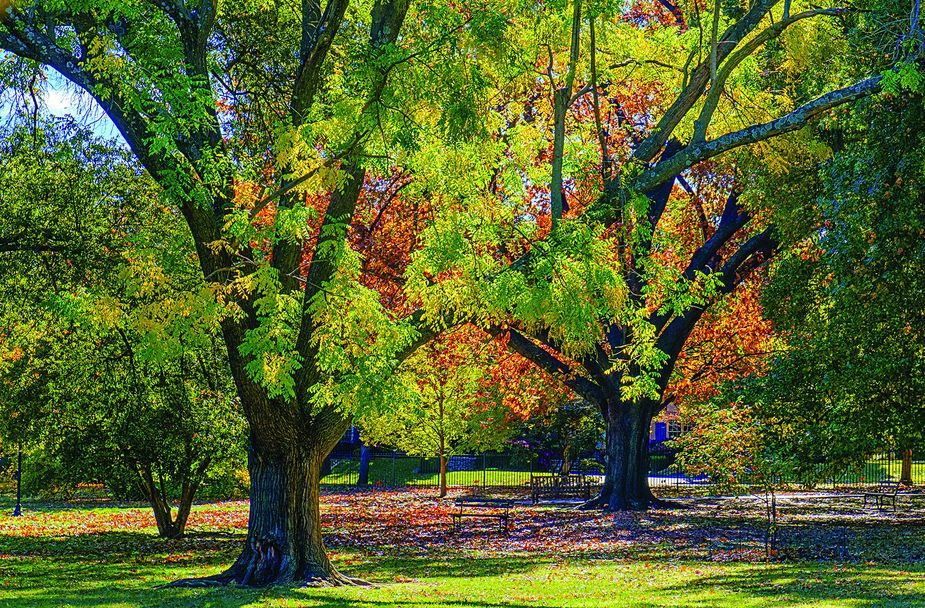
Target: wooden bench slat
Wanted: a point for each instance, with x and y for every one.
(886, 491)
(559, 486)
(491, 506)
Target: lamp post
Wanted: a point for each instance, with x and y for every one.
(17, 510)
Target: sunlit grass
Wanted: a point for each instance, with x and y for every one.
(130, 581)
(66, 555)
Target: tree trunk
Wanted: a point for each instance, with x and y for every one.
(566, 467)
(167, 525)
(164, 518)
(365, 456)
(442, 474)
(905, 475)
(284, 542)
(626, 479)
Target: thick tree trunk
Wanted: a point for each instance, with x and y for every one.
(626, 480)
(284, 543)
(905, 474)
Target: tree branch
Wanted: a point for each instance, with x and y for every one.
(318, 34)
(562, 100)
(733, 219)
(749, 256)
(797, 119)
(562, 372)
(652, 145)
(719, 81)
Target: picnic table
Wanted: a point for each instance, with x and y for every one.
(486, 508)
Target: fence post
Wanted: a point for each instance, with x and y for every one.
(483, 471)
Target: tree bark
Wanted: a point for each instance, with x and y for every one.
(626, 470)
(167, 525)
(365, 456)
(905, 475)
(284, 543)
(442, 474)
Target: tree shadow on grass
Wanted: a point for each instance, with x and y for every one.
(118, 547)
(810, 583)
(120, 581)
(125, 569)
(240, 598)
(758, 585)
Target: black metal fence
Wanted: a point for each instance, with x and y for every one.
(502, 470)
(395, 469)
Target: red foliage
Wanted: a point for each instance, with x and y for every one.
(730, 342)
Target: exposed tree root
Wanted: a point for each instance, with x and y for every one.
(263, 565)
(333, 579)
(338, 580)
(602, 502)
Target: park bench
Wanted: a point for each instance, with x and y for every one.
(486, 508)
(553, 487)
(886, 492)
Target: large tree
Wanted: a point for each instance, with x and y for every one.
(641, 135)
(243, 112)
(220, 103)
(850, 380)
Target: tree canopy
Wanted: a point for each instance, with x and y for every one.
(584, 182)
(115, 373)
(848, 299)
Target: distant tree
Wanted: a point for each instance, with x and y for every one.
(447, 409)
(115, 373)
(569, 429)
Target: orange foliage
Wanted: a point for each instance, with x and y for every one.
(730, 342)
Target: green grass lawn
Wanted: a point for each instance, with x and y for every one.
(402, 471)
(81, 556)
(127, 580)
(874, 470)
